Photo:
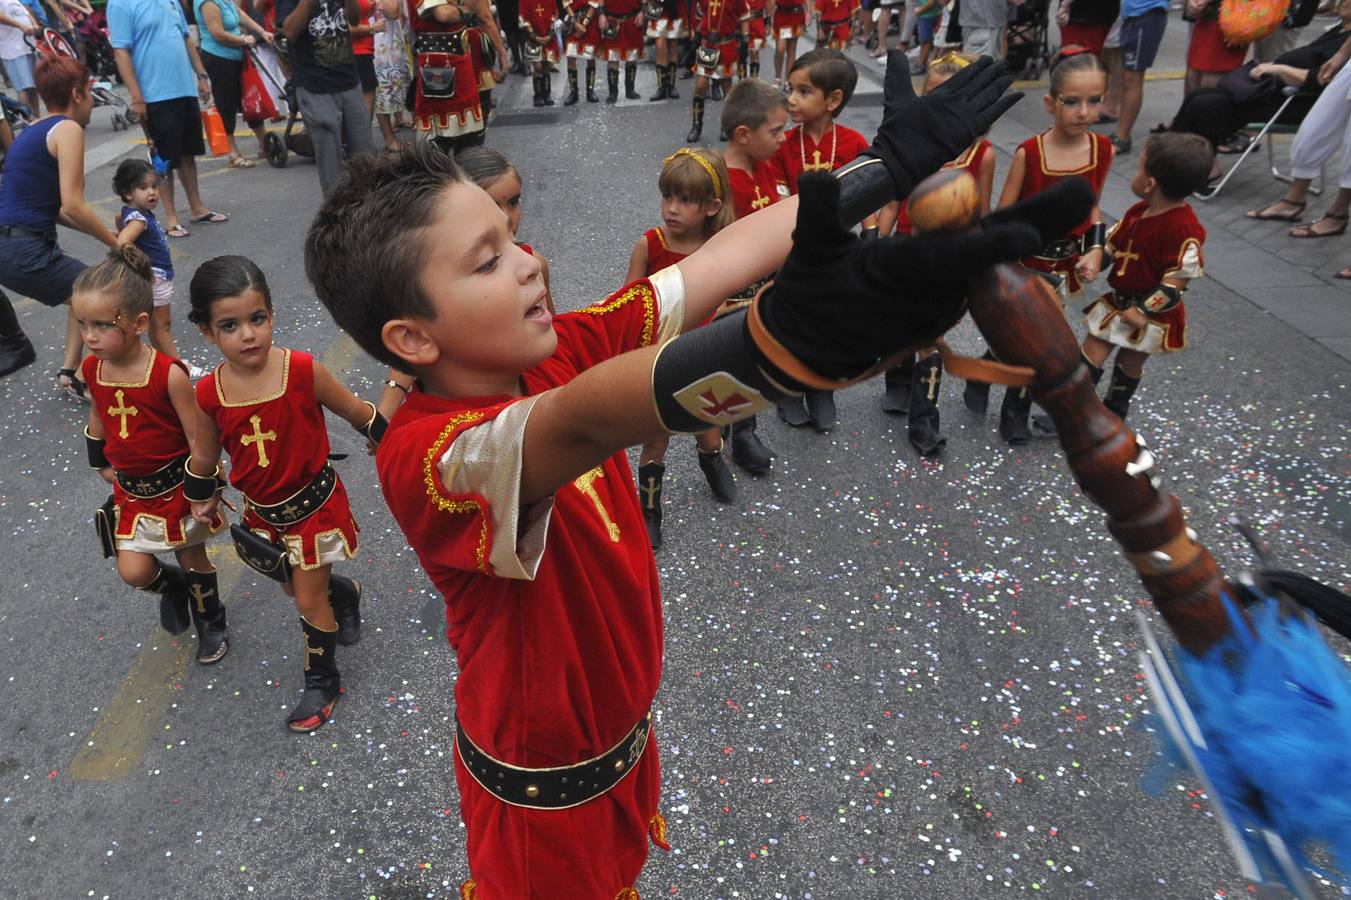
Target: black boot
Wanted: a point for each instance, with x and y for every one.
(631, 82)
(719, 477)
(208, 614)
(537, 82)
(1013, 416)
(547, 81)
(897, 380)
(924, 392)
(571, 98)
(649, 498)
(754, 67)
(612, 79)
(671, 91)
(821, 410)
(661, 93)
(323, 684)
(591, 96)
(696, 121)
(172, 586)
(1119, 391)
(793, 411)
(344, 595)
(715, 91)
(747, 449)
(976, 394)
(16, 351)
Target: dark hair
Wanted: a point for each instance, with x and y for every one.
(130, 173)
(221, 277)
(829, 70)
(749, 104)
(125, 275)
(364, 252)
(1073, 64)
(57, 77)
(484, 165)
(1179, 162)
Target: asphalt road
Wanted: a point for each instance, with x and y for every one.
(884, 677)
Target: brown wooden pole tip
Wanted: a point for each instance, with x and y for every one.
(1022, 320)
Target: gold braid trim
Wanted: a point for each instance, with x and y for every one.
(649, 299)
(447, 504)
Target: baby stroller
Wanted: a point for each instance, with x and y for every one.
(17, 113)
(50, 43)
(98, 49)
(1029, 39)
(273, 98)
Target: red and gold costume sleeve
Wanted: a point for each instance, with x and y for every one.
(1145, 250)
(140, 424)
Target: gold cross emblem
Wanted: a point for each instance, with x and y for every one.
(199, 595)
(651, 490)
(259, 437)
(121, 409)
(816, 165)
(714, 7)
(932, 383)
(760, 201)
(310, 651)
(1125, 257)
(587, 485)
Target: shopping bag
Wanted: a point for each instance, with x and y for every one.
(216, 139)
(1245, 21)
(254, 100)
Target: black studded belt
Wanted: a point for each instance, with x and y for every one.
(302, 504)
(160, 481)
(1064, 249)
(560, 787)
(451, 43)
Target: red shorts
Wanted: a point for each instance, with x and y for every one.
(1088, 36)
(788, 24)
(1208, 52)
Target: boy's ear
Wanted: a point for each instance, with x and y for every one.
(741, 135)
(408, 340)
(834, 100)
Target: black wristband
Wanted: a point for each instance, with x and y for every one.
(715, 375)
(865, 187)
(94, 448)
(1160, 300)
(375, 426)
(869, 233)
(1095, 237)
(200, 488)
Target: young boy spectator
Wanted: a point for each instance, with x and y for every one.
(17, 23)
(1142, 26)
(506, 469)
(327, 85)
(820, 84)
(1154, 253)
(754, 116)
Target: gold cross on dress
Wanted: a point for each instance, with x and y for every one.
(1125, 257)
(932, 383)
(714, 7)
(586, 484)
(760, 201)
(259, 437)
(121, 409)
(816, 165)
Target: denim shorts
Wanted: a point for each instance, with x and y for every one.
(20, 72)
(37, 268)
(1140, 39)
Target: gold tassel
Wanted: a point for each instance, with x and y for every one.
(656, 829)
(627, 894)
(469, 890)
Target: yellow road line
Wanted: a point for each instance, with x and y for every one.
(131, 721)
(1156, 75)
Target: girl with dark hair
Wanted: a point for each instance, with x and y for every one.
(141, 429)
(265, 406)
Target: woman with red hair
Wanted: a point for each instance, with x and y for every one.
(42, 184)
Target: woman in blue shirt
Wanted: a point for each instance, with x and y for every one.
(42, 183)
(223, 43)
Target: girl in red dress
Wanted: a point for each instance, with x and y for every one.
(695, 205)
(265, 406)
(137, 438)
(1068, 149)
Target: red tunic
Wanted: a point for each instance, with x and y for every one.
(143, 436)
(555, 618)
(755, 16)
(278, 444)
(586, 44)
(753, 191)
(1144, 251)
(627, 46)
(537, 21)
(446, 47)
(718, 22)
(1037, 177)
(835, 20)
(788, 20)
(970, 161)
(799, 153)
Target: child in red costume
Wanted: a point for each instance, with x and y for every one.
(454, 83)
(820, 84)
(835, 23)
(581, 40)
(717, 24)
(1154, 252)
(695, 205)
(1067, 150)
(756, 29)
(137, 438)
(541, 50)
(506, 467)
(666, 26)
(787, 19)
(265, 406)
(621, 38)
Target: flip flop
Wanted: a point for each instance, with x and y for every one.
(211, 218)
(240, 162)
(1306, 231)
(1344, 274)
(178, 231)
(1264, 216)
(70, 384)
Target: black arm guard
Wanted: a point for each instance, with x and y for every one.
(865, 187)
(199, 488)
(1095, 237)
(94, 447)
(715, 375)
(1164, 298)
(375, 426)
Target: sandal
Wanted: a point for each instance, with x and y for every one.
(240, 162)
(1307, 231)
(1160, 128)
(177, 231)
(1266, 215)
(211, 217)
(1344, 274)
(70, 383)
(1238, 144)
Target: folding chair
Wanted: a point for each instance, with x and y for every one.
(1266, 131)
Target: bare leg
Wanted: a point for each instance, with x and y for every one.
(187, 170)
(310, 590)
(74, 346)
(1111, 58)
(1132, 362)
(387, 130)
(260, 135)
(195, 558)
(883, 26)
(653, 451)
(1096, 350)
(161, 331)
(166, 189)
(135, 568)
(1133, 95)
(1292, 204)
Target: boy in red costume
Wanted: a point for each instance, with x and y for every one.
(836, 20)
(506, 467)
(717, 25)
(622, 37)
(541, 51)
(582, 41)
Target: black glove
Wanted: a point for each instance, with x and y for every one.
(919, 134)
(840, 305)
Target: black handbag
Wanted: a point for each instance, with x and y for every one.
(261, 555)
(707, 57)
(654, 9)
(1240, 87)
(104, 517)
(438, 82)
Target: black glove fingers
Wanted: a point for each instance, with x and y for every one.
(968, 80)
(897, 89)
(987, 116)
(991, 93)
